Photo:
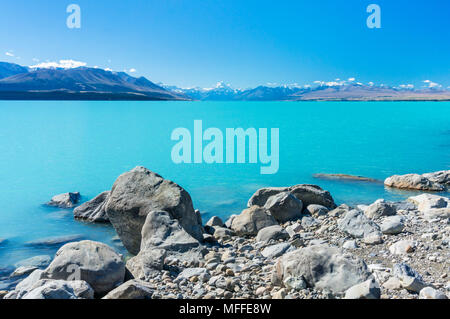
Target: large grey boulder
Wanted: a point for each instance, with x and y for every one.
(66, 200)
(60, 289)
(147, 264)
(132, 289)
(441, 177)
(380, 208)
(413, 181)
(275, 232)
(252, 220)
(308, 194)
(138, 192)
(284, 207)
(321, 267)
(358, 225)
(93, 210)
(96, 263)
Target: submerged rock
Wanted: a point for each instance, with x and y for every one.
(252, 220)
(322, 267)
(93, 210)
(36, 262)
(413, 181)
(66, 200)
(138, 192)
(284, 207)
(96, 263)
(54, 241)
(308, 194)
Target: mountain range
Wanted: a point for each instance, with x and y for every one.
(84, 83)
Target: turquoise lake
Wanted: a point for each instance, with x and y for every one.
(47, 148)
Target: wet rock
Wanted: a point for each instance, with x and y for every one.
(66, 200)
(96, 263)
(308, 194)
(322, 267)
(137, 193)
(251, 221)
(274, 232)
(132, 289)
(22, 271)
(413, 181)
(365, 290)
(54, 241)
(34, 262)
(93, 210)
(284, 207)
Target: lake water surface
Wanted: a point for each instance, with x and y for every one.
(47, 148)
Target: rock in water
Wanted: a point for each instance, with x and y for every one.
(251, 221)
(284, 207)
(93, 210)
(322, 267)
(60, 289)
(132, 289)
(308, 194)
(380, 208)
(274, 232)
(138, 192)
(66, 200)
(96, 263)
(441, 177)
(413, 181)
(369, 289)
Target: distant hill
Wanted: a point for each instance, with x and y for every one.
(81, 83)
(346, 92)
(10, 69)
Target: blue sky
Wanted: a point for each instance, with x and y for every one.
(243, 42)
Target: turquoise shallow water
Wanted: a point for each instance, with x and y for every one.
(47, 148)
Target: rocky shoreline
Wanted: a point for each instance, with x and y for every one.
(289, 243)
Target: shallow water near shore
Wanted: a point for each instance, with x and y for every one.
(47, 148)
